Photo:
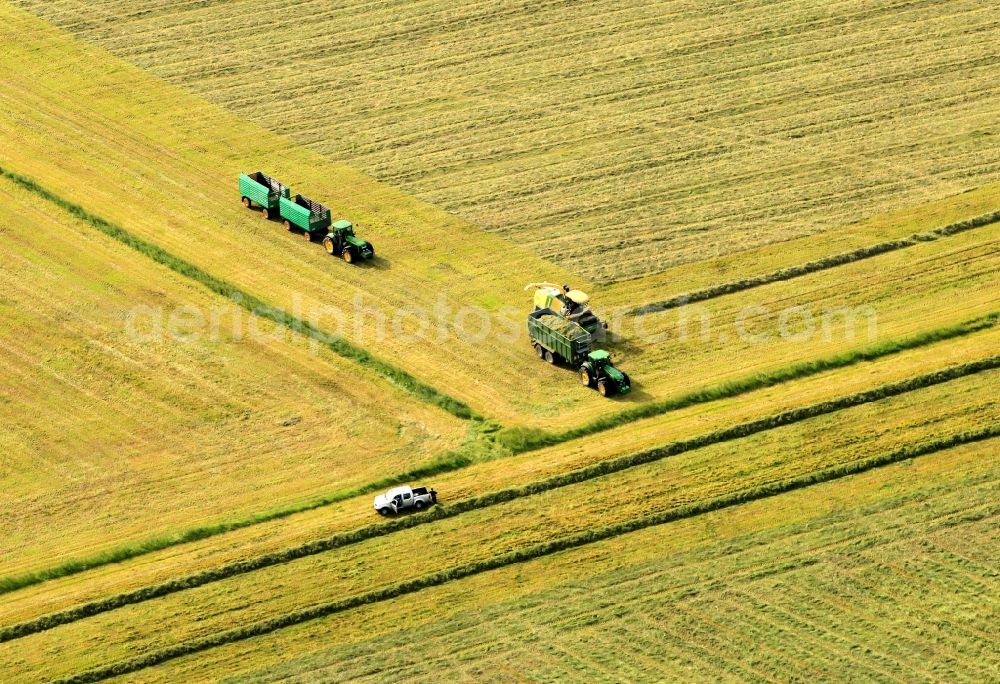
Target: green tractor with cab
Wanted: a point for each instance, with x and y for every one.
(341, 241)
(557, 339)
(600, 371)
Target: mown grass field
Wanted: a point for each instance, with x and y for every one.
(274, 537)
(746, 513)
(704, 474)
(885, 576)
(86, 413)
(616, 139)
(498, 377)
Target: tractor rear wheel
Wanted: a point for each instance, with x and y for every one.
(549, 356)
(328, 245)
(603, 388)
(585, 377)
(266, 213)
(348, 256)
(246, 202)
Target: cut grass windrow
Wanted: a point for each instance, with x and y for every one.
(524, 555)
(520, 440)
(831, 261)
(493, 498)
(338, 345)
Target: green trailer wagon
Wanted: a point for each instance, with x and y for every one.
(303, 213)
(260, 189)
(556, 338)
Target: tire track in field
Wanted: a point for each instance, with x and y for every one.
(521, 556)
(491, 499)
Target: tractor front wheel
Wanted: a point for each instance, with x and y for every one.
(603, 388)
(328, 245)
(246, 202)
(585, 379)
(550, 357)
(348, 256)
(265, 212)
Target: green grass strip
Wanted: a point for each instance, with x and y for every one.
(527, 554)
(520, 440)
(254, 305)
(831, 261)
(491, 499)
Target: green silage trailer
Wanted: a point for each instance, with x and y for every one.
(557, 338)
(260, 189)
(303, 213)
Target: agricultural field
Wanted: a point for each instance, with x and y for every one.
(787, 213)
(615, 139)
(496, 375)
(625, 498)
(253, 416)
(464, 485)
(652, 607)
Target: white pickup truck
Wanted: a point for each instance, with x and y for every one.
(401, 498)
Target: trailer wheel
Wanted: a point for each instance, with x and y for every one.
(602, 387)
(266, 213)
(246, 202)
(585, 379)
(287, 224)
(307, 235)
(348, 256)
(549, 356)
(539, 351)
(328, 245)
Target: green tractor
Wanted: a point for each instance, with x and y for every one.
(598, 370)
(343, 243)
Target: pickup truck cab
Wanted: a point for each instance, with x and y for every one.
(401, 498)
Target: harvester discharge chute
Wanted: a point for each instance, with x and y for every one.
(571, 304)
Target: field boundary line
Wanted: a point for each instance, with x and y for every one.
(494, 498)
(524, 555)
(814, 266)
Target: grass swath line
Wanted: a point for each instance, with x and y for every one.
(814, 266)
